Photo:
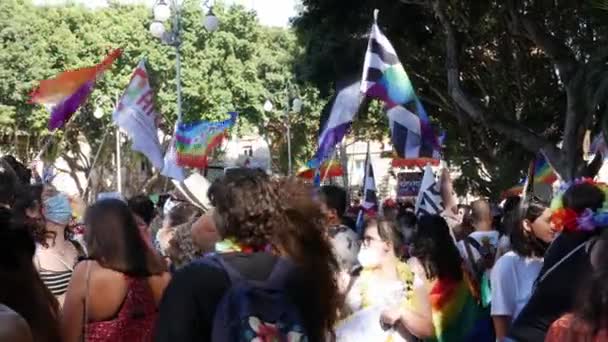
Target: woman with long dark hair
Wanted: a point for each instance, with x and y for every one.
(115, 293)
(21, 288)
(514, 273)
(579, 214)
(456, 314)
(263, 232)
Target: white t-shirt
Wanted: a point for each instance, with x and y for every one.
(512, 279)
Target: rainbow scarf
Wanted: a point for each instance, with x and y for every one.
(456, 313)
(66, 92)
(194, 142)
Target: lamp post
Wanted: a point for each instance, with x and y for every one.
(163, 12)
(296, 107)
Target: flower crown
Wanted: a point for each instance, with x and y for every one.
(566, 219)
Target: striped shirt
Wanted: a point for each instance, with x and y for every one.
(56, 281)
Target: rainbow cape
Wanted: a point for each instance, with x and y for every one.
(456, 313)
(66, 92)
(195, 141)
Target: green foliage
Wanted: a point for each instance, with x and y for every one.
(235, 68)
(506, 74)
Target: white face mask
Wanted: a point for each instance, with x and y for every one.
(369, 257)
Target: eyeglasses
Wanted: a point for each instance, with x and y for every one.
(367, 240)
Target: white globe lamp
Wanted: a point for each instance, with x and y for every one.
(211, 22)
(268, 106)
(162, 12)
(157, 29)
(98, 113)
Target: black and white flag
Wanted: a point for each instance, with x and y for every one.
(429, 200)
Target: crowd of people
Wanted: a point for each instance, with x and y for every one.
(274, 259)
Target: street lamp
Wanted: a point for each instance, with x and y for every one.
(162, 13)
(296, 108)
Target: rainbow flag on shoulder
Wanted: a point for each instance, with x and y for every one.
(456, 312)
(195, 141)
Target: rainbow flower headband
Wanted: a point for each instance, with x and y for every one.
(565, 219)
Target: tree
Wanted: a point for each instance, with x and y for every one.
(506, 79)
(236, 68)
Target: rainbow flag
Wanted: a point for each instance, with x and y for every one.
(195, 141)
(456, 313)
(540, 172)
(329, 168)
(66, 92)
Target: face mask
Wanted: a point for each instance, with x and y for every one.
(57, 209)
(369, 257)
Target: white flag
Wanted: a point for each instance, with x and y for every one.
(171, 169)
(429, 198)
(136, 115)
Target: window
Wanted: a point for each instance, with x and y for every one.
(247, 150)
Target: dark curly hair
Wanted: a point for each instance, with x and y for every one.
(300, 234)
(261, 212)
(434, 247)
(30, 198)
(245, 207)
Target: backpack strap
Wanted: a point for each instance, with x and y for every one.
(468, 241)
(473, 243)
(586, 244)
(216, 260)
(280, 273)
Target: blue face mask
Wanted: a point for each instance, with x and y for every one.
(57, 209)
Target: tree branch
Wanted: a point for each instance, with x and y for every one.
(554, 48)
(528, 139)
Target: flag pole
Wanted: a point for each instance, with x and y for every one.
(103, 141)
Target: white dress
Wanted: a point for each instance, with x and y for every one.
(366, 302)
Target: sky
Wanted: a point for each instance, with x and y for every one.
(270, 12)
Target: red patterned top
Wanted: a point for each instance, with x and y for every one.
(135, 321)
(569, 329)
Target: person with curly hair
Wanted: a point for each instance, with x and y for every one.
(56, 252)
(261, 226)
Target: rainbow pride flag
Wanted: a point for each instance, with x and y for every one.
(540, 172)
(456, 313)
(194, 142)
(329, 168)
(66, 92)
